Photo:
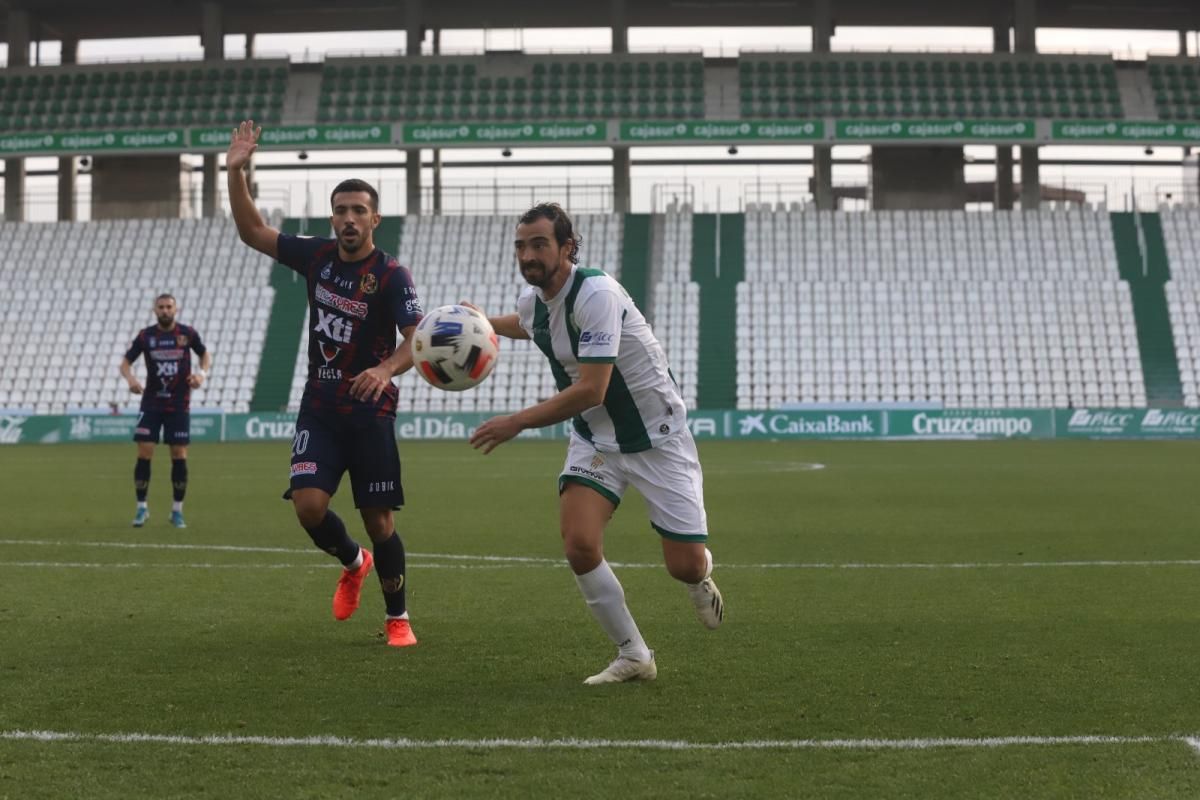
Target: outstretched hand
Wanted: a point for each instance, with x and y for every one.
(242, 145)
(495, 432)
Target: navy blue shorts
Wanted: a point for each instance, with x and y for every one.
(327, 445)
(175, 426)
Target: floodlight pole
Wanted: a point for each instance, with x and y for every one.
(1002, 198)
(1025, 41)
(212, 35)
(66, 164)
(822, 36)
(14, 168)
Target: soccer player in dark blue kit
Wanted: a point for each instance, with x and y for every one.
(168, 348)
(357, 298)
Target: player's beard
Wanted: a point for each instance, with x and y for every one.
(353, 244)
(165, 322)
(538, 274)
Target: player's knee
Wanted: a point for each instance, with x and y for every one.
(687, 565)
(309, 511)
(379, 525)
(583, 552)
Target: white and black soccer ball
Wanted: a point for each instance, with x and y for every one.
(455, 348)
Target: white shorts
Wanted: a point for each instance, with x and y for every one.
(668, 476)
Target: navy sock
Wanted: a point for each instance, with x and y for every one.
(389, 565)
(141, 478)
(331, 537)
(179, 478)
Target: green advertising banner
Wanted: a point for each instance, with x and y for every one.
(454, 426)
(89, 142)
(93, 428)
(766, 131)
(536, 133)
(989, 423)
(1127, 423)
(294, 136)
(920, 129)
(804, 424)
(1123, 131)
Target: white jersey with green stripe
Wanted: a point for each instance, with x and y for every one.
(593, 320)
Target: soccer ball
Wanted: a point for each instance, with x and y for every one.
(455, 348)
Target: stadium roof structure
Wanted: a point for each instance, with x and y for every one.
(80, 19)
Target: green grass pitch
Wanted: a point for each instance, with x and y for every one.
(896, 620)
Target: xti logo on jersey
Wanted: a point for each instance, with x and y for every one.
(333, 327)
(168, 365)
(355, 309)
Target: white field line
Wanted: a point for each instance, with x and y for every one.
(137, 565)
(1194, 743)
(538, 743)
(529, 561)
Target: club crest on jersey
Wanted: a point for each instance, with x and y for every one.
(181, 341)
(369, 283)
(327, 271)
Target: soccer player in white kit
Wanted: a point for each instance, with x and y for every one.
(630, 427)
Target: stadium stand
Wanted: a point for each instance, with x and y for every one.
(144, 94)
(675, 314)
(970, 310)
(456, 258)
(1176, 86)
(1181, 230)
(923, 85)
(93, 288)
(512, 86)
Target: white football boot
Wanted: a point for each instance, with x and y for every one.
(624, 669)
(706, 597)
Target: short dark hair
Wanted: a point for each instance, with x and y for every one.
(165, 296)
(564, 230)
(356, 185)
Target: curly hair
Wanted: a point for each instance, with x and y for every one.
(564, 229)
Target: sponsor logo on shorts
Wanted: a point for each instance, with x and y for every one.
(587, 473)
(381, 486)
(304, 468)
(142, 431)
(664, 429)
(355, 308)
(597, 461)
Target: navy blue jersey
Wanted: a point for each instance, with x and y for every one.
(354, 309)
(168, 365)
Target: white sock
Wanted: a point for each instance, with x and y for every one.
(177, 505)
(707, 567)
(402, 616)
(141, 504)
(357, 561)
(606, 600)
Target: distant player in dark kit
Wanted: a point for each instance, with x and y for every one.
(166, 398)
(357, 297)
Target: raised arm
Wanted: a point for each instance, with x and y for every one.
(251, 227)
